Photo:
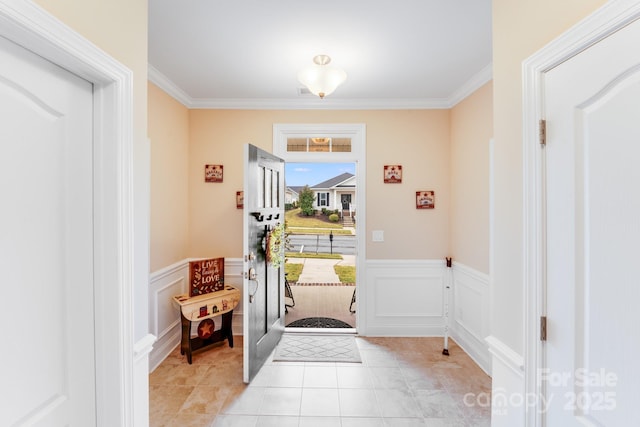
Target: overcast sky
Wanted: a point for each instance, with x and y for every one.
(299, 174)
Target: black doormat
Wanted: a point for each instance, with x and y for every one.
(318, 322)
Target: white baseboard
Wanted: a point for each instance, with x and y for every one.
(506, 356)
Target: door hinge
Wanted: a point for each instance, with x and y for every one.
(542, 131)
(543, 328)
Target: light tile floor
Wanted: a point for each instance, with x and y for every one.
(401, 382)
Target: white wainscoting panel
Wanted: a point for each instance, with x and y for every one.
(405, 297)
(470, 313)
(164, 315)
(509, 401)
(233, 277)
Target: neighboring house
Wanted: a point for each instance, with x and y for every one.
(336, 193)
(292, 194)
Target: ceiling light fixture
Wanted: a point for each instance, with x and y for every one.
(320, 78)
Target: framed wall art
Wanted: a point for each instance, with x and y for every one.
(425, 199)
(213, 173)
(240, 199)
(392, 174)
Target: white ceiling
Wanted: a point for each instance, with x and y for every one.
(247, 53)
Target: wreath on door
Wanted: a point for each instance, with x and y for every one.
(275, 246)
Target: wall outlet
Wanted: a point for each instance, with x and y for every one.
(377, 236)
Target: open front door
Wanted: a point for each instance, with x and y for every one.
(263, 293)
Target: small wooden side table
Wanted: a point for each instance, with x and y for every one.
(203, 307)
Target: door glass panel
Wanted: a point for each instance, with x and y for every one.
(267, 188)
(341, 145)
(297, 144)
(276, 189)
(319, 144)
(260, 187)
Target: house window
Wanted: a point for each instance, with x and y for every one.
(323, 199)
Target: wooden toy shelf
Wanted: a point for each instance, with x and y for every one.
(202, 307)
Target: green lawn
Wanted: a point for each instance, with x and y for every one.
(293, 271)
(297, 230)
(347, 274)
(312, 255)
(294, 219)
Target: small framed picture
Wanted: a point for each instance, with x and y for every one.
(392, 174)
(240, 199)
(213, 173)
(425, 199)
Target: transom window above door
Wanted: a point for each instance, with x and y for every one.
(319, 144)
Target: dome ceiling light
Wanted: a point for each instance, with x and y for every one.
(321, 79)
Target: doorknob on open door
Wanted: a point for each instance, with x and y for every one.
(251, 275)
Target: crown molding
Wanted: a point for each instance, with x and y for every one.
(474, 83)
(319, 104)
(164, 83)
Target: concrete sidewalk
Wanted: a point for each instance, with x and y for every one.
(316, 270)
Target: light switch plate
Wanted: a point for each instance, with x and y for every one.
(377, 236)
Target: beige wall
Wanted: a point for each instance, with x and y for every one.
(119, 27)
(169, 135)
(520, 28)
(416, 139)
(471, 131)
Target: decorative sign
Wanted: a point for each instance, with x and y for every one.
(239, 199)
(425, 199)
(206, 276)
(392, 174)
(213, 173)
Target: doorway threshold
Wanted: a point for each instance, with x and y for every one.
(328, 331)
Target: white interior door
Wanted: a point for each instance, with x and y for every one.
(263, 293)
(46, 243)
(592, 108)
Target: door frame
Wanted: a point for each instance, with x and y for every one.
(28, 25)
(603, 22)
(357, 133)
